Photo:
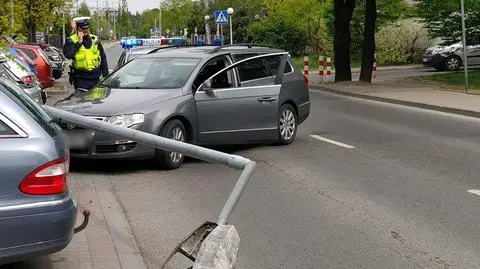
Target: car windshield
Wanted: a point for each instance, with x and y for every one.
(152, 73)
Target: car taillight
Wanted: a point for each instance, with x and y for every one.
(27, 79)
(48, 179)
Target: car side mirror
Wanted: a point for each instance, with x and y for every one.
(207, 85)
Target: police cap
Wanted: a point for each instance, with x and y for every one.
(83, 22)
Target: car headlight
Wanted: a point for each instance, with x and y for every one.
(127, 120)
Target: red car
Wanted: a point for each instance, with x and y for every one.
(44, 68)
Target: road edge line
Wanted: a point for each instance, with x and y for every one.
(450, 110)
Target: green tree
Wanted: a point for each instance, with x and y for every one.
(276, 31)
(37, 14)
(442, 19)
(84, 10)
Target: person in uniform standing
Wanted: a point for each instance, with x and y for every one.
(89, 61)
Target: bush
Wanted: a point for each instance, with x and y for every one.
(275, 31)
(401, 43)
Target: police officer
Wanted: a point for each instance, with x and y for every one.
(87, 54)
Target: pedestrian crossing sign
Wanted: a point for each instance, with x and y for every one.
(221, 16)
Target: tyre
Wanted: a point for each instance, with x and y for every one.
(173, 129)
(287, 124)
(453, 63)
(57, 74)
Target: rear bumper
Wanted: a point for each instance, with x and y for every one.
(303, 111)
(36, 229)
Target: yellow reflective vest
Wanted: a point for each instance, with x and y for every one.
(86, 59)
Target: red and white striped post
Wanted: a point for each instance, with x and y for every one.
(374, 65)
(320, 66)
(329, 67)
(305, 68)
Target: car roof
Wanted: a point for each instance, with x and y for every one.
(26, 45)
(208, 51)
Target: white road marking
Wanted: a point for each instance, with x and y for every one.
(324, 139)
(477, 192)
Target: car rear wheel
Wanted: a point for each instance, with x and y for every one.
(175, 130)
(453, 63)
(287, 124)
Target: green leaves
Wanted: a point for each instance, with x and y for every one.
(443, 19)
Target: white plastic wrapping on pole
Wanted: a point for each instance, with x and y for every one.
(167, 144)
(464, 38)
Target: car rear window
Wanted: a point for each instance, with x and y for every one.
(30, 53)
(16, 68)
(274, 63)
(253, 69)
(30, 106)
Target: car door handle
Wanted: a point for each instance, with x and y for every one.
(267, 99)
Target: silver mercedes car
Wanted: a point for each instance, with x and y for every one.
(224, 95)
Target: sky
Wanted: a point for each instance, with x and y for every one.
(133, 5)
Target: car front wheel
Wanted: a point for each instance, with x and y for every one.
(287, 124)
(453, 63)
(175, 130)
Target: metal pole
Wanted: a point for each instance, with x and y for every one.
(231, 30)
(63, 26)
(236, 193)
(464, 37)
(12, 18)
(97, 21)
(160, 18)
(234, 161)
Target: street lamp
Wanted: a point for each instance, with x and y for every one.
(230, 13)
(207, 29)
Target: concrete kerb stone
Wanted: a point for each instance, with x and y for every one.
(399, 102)
(219, 250)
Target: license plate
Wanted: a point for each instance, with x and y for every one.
(425, 60)
(79, 139)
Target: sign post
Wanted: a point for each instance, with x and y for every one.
(464, 38)
(221, 17)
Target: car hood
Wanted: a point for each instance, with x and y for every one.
(102, 101)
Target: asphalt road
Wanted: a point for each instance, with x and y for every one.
(391, 193)
(390, 189)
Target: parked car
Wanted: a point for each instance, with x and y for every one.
(13, 70)
(203, 95)
(38, 208)
(56, 58)
(44, 67)
(134, 52)
(450, 57)
(25, 60)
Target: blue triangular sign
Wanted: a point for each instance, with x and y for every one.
(221, 17)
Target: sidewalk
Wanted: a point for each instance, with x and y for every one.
(420, 95)
(107, 242)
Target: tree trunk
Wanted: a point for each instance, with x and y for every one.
(368, 41)
(32, 30)
(343, 16)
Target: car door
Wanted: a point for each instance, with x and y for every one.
(473, 55)
(243, 110)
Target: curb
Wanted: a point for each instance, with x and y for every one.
(450, 110)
